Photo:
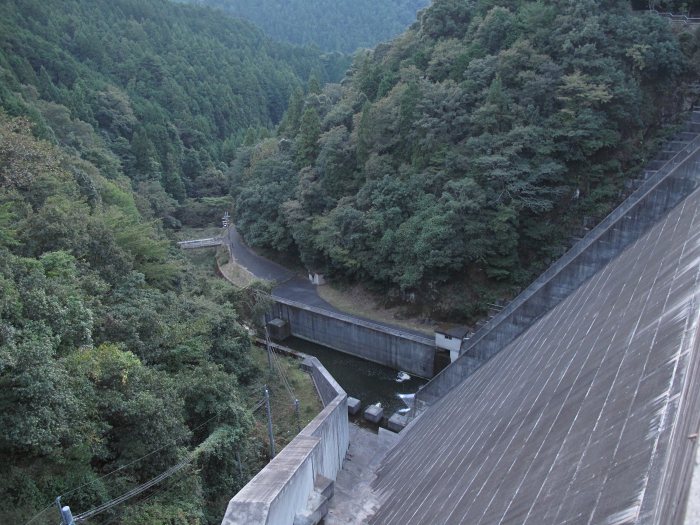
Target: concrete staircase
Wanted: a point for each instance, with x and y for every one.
(317, 505)
(664, 182)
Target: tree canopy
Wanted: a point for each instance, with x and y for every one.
(171, 89)
(109, 349)
(330, 25)
(451, 163)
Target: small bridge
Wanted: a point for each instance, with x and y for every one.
(201, 243)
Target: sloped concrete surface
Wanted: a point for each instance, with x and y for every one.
(664, 185)
(353, 501)
(587, 418)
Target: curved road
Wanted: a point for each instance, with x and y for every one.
(288, 285)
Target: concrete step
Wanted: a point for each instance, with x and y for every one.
(655, 165)
(470, 364)
(317, 504)
(685, 136)
(693, 127)
(649, 174)
(695, 116)
(324, 486)
(315, 511)
(665, 154)
(633, 184)
(674, 145)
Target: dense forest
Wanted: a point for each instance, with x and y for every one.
(330, 25)
(173, 89)
(109, 348)
(446, 167)
(452, 164)
(118, 359)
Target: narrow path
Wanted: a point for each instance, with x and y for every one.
(288, 285)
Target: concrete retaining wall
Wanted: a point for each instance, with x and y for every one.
(282, 488)
(652, 200)
(381, 344)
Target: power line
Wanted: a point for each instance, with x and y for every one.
(136, 460)
(136, 490)
(53, 505)
(65, 494)
(154, 493)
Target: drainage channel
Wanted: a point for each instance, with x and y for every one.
(369, 382)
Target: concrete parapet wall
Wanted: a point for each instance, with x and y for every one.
(378, 343)
(676, 179)
(282, 488)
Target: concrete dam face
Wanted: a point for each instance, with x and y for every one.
(590, 416)
(578, 404)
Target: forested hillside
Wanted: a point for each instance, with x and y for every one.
(118, 360)
(332, 25)
(452, 164)
(172, 89)
(110, 350)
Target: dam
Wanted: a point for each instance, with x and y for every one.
(588, 412)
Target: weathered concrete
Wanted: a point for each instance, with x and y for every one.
(373, 413)
(278, 329)
(397, 422)
(379, 343)
(353, 501)
(317, 505)
(589, 417)
(282, 489)
(676, 179)
(353, 405)
(315, 320)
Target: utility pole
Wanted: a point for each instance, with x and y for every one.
(269, 349)
(296, 411)
(66, 515)
(269, 424)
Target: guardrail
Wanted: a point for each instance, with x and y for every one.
(677, 18)
(201, 243)
(282, 489)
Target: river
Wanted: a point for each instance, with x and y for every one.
(367, 381)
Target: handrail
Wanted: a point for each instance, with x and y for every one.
(591, 237)
(646, 187)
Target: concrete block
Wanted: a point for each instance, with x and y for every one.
(279, 329)
(374, 413)
(397, 422)
(324, 486)
(307, 365)
(353, 405)
(316, 509)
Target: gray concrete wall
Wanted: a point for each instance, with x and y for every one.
(636, 215)
(381, 344)
(282, 488)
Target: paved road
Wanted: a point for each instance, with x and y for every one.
(259, 266)
(288, 285)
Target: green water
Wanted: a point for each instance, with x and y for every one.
(367, 381)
